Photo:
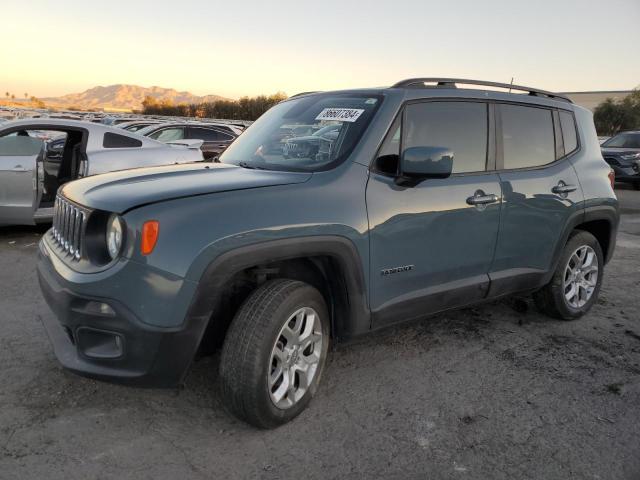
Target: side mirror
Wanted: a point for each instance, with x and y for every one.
(420, 163)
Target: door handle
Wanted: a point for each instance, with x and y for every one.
(562, 188)
(19, 168)
(480, 198)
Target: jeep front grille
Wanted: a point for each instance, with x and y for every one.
(69, 221)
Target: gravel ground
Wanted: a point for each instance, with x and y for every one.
(497, 391)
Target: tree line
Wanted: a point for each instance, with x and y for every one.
(613, 116)
(247, 108)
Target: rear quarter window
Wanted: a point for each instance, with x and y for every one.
(113, 140)
(569, 135)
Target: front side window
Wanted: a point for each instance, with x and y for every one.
(623, 140)
(20, 144)
(527, 136)
(458, 126)
(568, 126)
(309, 133)
(168, 134)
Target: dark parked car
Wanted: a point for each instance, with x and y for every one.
(430, 197)
(622, 152)
(216, 137)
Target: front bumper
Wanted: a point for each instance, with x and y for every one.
(112, 343)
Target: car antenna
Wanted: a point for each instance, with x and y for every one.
(511, 84)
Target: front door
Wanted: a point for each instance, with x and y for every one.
(18, 178)
(432, 245)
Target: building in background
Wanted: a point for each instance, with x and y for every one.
(591, 100)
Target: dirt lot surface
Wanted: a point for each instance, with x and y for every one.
(495, 392)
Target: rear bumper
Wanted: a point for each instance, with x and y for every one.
(111, 343)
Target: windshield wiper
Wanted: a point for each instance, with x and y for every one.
(249, 166)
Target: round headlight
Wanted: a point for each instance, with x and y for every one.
(115, 231)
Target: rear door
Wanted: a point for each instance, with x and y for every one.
(431, 244)
(541, 193)
(18, 178)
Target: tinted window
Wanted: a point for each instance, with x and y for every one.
(208, 135)
(568, 125)
(527, 136)
(113, 140)
(459, 126)
(168, 134)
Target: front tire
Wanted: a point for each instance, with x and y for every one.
(576, 283)
(274, 353)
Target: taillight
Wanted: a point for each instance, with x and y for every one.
(150, 231)
(612, 177)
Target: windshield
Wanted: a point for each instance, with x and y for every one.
(624, 140)
(306, 134)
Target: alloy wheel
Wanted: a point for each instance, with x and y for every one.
(295, 357)
(580, 276)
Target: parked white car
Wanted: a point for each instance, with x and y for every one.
(37, 156)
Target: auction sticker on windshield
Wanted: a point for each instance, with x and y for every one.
(340, 114)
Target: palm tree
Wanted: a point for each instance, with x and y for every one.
(26, 95)
(13, 97)
(7, 94)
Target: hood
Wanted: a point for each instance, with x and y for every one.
(126, 189)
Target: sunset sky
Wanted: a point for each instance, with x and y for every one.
(251, 47)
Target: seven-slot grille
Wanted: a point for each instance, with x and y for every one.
(68, 227)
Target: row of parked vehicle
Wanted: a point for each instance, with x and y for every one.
(42, 152)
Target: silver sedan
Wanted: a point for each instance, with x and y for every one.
(37, 156)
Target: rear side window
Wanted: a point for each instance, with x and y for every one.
(208, 135)
(168, 134)
(113, 140)
(527, 136)
(568, 126)
(459, 126)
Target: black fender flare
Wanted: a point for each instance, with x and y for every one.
(218, 273)
(608, 213)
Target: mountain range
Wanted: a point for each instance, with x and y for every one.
(124, 97)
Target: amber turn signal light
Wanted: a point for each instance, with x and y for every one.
(150, 231)
(612, 177)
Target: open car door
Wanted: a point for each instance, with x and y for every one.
(19, 178)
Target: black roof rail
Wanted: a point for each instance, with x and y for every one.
(452, 83)
(303, 93)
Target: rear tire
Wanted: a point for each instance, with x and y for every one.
(575, 285)
(274, 353)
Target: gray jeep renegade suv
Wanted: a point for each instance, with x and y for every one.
(420, 198)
